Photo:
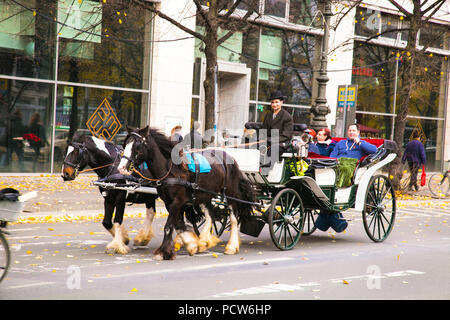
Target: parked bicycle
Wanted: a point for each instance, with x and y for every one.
(439, 184)
(11, 204)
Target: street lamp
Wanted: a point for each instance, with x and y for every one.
(319, 108)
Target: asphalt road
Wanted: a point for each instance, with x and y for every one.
(67, 260)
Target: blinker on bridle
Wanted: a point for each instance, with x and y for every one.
(81, 148)
(136, 137)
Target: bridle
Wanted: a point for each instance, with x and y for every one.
(81, 147)
(136, 136)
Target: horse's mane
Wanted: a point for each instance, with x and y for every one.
(164, 143)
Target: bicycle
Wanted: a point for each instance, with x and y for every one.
(439, 184)
(11, 204)
(5, 253)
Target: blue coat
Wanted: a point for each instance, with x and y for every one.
(346, 148)
(325, 149)
(414, 152)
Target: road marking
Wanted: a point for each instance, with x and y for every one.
(281, 287)
(196, 268)
(37, 284)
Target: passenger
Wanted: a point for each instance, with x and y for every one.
(353, 146)
(348, 151)
(310, 141)
(175, 134)
(324, 142)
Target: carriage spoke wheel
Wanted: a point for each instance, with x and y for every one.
(379, 208)
(309, 225)
(285, 218)
(5, 256)
(220, 223)
(439, 185)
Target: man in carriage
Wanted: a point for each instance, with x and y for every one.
(280, 120)
(348, 152)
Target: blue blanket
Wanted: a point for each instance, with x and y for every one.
(205, 167)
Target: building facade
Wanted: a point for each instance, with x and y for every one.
(62, 61)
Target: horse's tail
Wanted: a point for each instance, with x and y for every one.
(246, 193)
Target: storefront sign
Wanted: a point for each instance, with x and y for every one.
(104, 123)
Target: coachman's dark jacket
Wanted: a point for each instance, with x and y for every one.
(283, 122)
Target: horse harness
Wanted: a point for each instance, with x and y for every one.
(194, 186)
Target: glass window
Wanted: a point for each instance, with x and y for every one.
(367, 22)
(25, 127)
(433, 36)
(374, 73)
(293, 51)
(275, 8)
(299, 115)
(26, 39)
(374, 126)
(425, 96)
(303, 11)
(389, 22)
(196, 81)
(75, 107)
(103, 44)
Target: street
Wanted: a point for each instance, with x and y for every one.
(67, 260)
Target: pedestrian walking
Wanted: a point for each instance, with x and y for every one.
(415, 155)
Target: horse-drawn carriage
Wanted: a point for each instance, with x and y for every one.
(290, 196)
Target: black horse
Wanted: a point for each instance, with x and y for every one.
(104, 157)
(175, 183)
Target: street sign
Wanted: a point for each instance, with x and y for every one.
(346, 106)
(347, 96)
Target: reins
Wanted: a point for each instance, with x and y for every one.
(92, 169)
(154, 180)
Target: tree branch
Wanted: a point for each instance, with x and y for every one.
(148, 6)
(400, 8)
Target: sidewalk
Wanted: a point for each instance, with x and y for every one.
(80, 200)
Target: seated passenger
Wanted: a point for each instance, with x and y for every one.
(353, 146)
(348, 152)
(310, 141)
(324, 142)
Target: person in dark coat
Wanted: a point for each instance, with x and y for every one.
(278, 119)
(415, 155)
(324, 143)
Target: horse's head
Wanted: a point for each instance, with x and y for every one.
(135, 150)
(76, 159)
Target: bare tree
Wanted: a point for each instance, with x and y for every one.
(215, 15)
(418, 18)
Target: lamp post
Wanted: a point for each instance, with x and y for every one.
(319, 108)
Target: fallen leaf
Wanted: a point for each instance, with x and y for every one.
(345, 282)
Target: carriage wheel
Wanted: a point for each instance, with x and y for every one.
(219, 223)
(285, 218)
(309, 225)
(379, 208)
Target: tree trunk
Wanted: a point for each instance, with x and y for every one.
(407, 82)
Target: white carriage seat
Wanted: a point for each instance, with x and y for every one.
(247, 159)
(276, 173)
(325, 176)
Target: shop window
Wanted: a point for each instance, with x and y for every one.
(286, 64)
(303, 12)
(276, 8)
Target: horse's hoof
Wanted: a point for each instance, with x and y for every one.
(229, 250)
(140, 243)
(117, 248)
(161, 255)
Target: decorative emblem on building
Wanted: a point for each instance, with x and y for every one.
(104, 123)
